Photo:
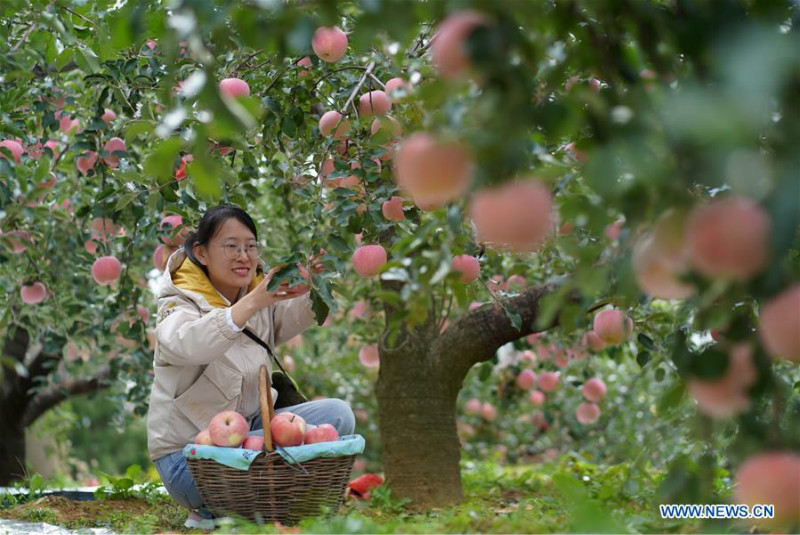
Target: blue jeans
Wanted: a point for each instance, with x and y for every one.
(174, 470)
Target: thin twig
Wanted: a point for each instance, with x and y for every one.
(375, 78)
(23, 38)
(358, 86)
(79, 16)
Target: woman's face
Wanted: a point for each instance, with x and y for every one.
(231, 257)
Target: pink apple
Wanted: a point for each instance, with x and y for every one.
(234, 87)
(594, 390)
(108, 116)
(591, 339)
(613, 326)
(473, 406)
(106, 270)
(369, 259)
(33, 294)
(449, 48)
(374, 103)
(537, 398)
(548, 381)
(332, 122)
(112, 146)
(254, 442)
(772, 477)
(396, 84)
(393, 209)
(488, 412)
(467, 266)
(526, 379)
(727, 396)
(369, 356)
(329, 44)
(203, 438)
(288, 429)
(168, 225)
(322, 433)
(587, 413)
(14, 147)
(86, 162)
(779, 326)
(229, 429)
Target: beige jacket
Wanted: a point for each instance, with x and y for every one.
(202, 366)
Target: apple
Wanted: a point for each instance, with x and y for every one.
(369, 356)
(587, 413)
(288, 429)
(393, 209)
(229, 429)
(433, 171)
(449, 48)
(536, 397)
(254, 442)
(517, 216)
(473, 406)
(374, 103)
(613, 326)
(112, 146)
(594, 390)
(332, 122)
(329, 44)
(14, 147)
(548, 381)
(322, 433)
(108, 116)
(526, 379)
(779, 326)
(772, 477)
(203, 438)
(106, 270)
(33, 294)
(234, 87)
(369, 259)
(467, 266)
(169, 224)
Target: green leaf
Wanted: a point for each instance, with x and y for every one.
(161, 162)
(646, 341)
(319, 306)
(87, 60)
(64, 58)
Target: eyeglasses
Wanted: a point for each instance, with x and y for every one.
(234, 250)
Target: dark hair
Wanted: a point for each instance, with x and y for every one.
(210, 223)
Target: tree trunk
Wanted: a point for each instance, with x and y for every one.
(421, 449)
(12, 450)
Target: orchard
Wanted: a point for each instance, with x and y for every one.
(553, 232)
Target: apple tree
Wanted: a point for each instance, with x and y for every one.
(632, 164)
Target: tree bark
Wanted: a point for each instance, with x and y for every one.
(420, 446)
(418, 384)
(20, 406)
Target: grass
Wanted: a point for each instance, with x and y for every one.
(571, 496)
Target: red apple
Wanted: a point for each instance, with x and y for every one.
(322, 433)
(203, 438)
(772, 477)
(288, 429)
(587, 413)
(594, 390)
(229, 429)
(393, 209)
(613, 326)
(329, 121)
(33, 294)
(369, 259)
(106, 270)
(329, 44)
(449, 48)
(526, 379)
(254, 442)
(548, 381)
(234, 87)
(779, 326)
(467, 266)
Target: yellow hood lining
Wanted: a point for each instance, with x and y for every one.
(190, 276)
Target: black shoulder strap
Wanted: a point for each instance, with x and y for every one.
(263, 344)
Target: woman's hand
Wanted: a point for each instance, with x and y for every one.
(259, 297)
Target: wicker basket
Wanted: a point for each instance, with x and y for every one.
(271, 489)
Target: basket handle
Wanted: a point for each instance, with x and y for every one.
(265, 398)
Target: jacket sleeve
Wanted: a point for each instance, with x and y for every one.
(186, 337)
(291, 317)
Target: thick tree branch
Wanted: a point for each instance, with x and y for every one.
(53, 395)
(476, 336)
(15, 346)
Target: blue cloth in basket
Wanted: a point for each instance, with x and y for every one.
(241, 458)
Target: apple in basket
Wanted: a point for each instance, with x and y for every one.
(288, 429)
(322, 433)
(228, 429)
(254, 442)
(203, 438)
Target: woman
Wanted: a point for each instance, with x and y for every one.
(204, 364)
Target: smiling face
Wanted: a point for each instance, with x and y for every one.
(229, 275)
